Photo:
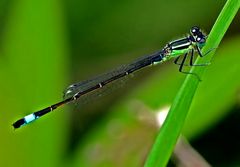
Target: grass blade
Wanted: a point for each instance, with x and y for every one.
(166, 139)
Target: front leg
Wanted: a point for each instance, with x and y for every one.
(187, 72)
(192, 56)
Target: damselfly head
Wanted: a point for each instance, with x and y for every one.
(197, 35)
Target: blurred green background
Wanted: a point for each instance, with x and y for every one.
(47, 45)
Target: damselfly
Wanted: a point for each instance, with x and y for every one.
(186, 46)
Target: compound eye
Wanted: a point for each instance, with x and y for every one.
(195, 30)
(200, 40)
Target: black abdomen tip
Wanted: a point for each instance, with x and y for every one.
(19, 123)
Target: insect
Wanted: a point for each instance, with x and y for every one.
(188, 45)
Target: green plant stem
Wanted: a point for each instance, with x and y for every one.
(171, 129)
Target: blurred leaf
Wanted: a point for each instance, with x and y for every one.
(33, 63)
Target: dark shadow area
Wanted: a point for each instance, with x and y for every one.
(220, 146)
